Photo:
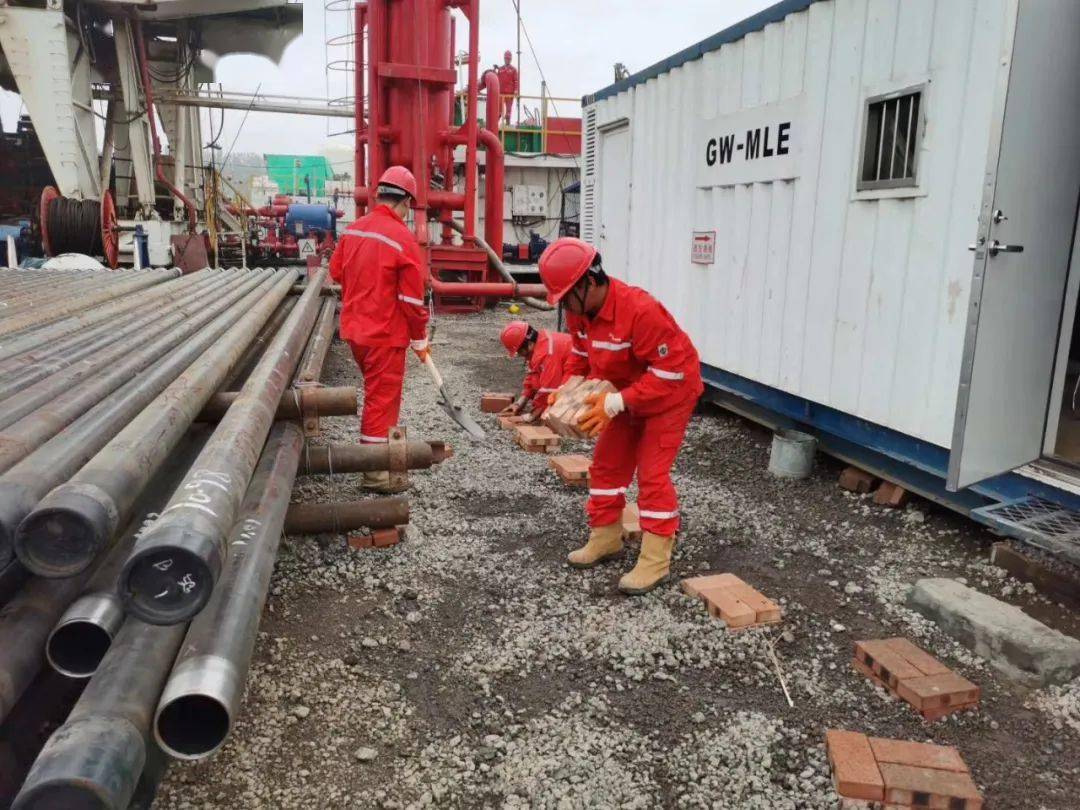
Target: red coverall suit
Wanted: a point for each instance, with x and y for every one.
(547, 367)
(508, 86)
(378, 265)
(636, 345)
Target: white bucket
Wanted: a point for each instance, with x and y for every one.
(792, 454)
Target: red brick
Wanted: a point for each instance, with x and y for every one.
(360, 540)
(510, 422)
(384, 538)
(929, 787)
(883, 662)
(731, 609)
(631, 522)
(765, 610)
(920, 659)
(856, 480)
(572, 469)
(536, 438)
(918, 755)
(491, 402)
(695, 585)
(855, 771)
(938, 691)
(892, 495)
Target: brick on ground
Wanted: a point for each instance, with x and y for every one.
(729, 598)
(493, 402)
(572, 469)
(892, 495)
(374, 538)
(915, 676)
(510, 422)
(900, 773)
(631, 523)
(570, 405)
(855, 480)
(536, 439)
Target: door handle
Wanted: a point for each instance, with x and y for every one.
(995, 247)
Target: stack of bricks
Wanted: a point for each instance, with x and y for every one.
(536, 439)
(729, 598)
(873, 772)
(631, 523)
(511, 422)
(570, 405)
(375, 538)
(915, 676)
(494, 402)
(572, 470)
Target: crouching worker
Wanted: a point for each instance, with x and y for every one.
(625, 336)
(378, 265)
(545, 353)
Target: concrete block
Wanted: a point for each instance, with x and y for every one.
(1017, 645)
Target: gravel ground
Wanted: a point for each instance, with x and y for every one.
(469, 667)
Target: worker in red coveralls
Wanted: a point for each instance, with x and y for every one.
(378, 265)
(545, 353)
(625, 336)
(508, 82)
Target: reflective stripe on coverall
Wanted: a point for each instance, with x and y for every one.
(635, 344)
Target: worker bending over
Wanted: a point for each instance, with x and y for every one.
(378, 265)
(545, 353)
(625, 336)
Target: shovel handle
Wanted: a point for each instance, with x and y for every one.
(434, 372)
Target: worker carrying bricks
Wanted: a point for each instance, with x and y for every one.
(545, 354)
(623, 335)
(378, 265)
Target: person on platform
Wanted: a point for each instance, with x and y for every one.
(623, 335)
(378, 265)
(545, 354)
(508, 83)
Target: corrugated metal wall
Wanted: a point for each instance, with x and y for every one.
(853, 303)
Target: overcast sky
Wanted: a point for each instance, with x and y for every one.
(577, 43)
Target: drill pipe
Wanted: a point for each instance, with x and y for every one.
(242, 367)
(71, 525)
(41, 365)
(84, 632)
(50, 295)
(202, 696)
(354, 458)
(77, 303)
(90, 372)
(173, 569)
(35, 428)
(62, 456)
(96, 758)
(320, 518)
(327, 290)
(93, 317)
(311, 364)
(295, 403)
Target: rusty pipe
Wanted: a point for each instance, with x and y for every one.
(319, 518)
(295, 403)
(322, 336)
(354, 458)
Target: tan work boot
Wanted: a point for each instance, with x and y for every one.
(653, 565)
(380, 482)
(604, 543)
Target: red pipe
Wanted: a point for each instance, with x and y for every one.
(472, 126)
(495, 163)
(485, 289)
(148, 89)
(436, 198)
(358, 119)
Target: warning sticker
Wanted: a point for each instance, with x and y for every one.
(307, 247)
(703, 247)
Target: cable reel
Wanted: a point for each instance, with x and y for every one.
(79, 226)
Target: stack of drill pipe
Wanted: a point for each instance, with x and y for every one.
(255, 350)
(45, 309)
(62, 505)
(311, 364)
(570, 405)
(99, 316)
(174, 568)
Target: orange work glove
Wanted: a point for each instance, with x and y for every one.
(603, 408)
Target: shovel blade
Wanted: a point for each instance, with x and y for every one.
(465, 422)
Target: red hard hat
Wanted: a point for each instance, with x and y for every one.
(399, 177)
(513, 335)
(563, 264)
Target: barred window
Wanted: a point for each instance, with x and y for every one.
(892, 131)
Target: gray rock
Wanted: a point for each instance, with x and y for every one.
(366, 754)
(301, 711)
(1019, 646)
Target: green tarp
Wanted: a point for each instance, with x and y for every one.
(292, 173)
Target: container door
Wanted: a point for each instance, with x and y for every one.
(1022, 253)
(615, 199)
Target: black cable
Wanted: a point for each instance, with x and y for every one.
(74, 226)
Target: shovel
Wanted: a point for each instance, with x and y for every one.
(455, 412)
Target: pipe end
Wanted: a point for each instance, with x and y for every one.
(171, 578)
(192, 726)
(76, 648)
(62, 537)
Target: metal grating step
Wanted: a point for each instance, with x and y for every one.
(1042, 523)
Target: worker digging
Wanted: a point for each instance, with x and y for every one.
(623, 335)
(383, 312)
(546, 354)
(682, 412)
